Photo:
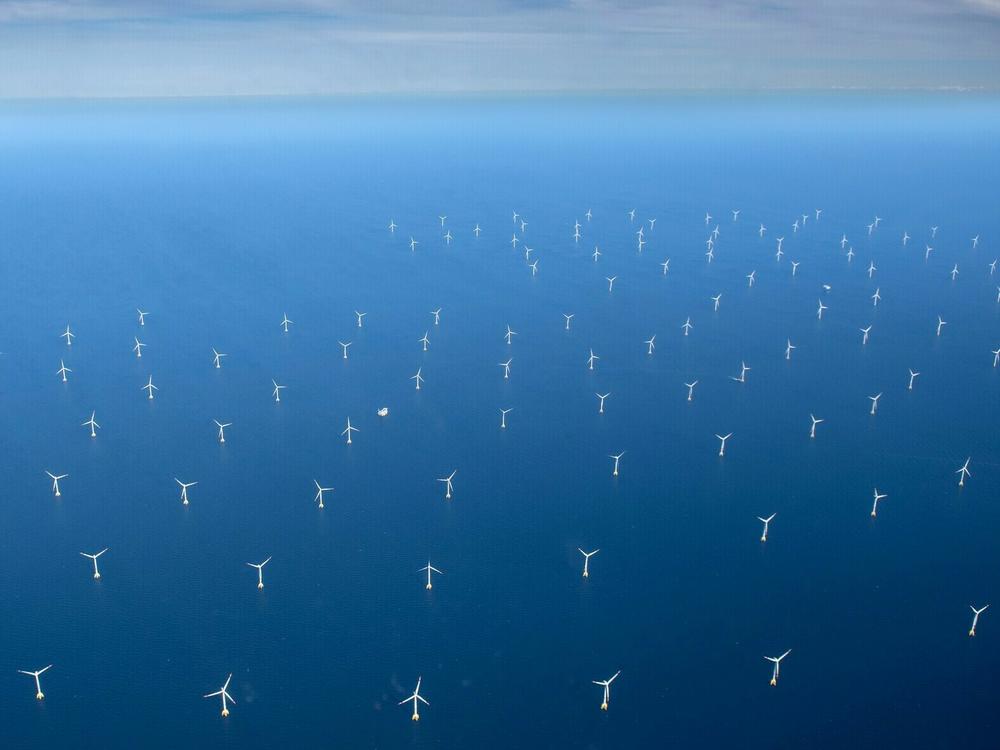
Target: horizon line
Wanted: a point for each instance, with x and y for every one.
(519, 93)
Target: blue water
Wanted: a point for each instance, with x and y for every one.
(218, 217)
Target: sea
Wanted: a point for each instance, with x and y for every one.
(218, 217)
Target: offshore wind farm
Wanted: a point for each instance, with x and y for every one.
(508, 415)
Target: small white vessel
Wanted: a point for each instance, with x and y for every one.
(384, 411)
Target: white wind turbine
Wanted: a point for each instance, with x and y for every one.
(55, 482)
(429, 569)
(97, 573)
(319, 493)
(39, 695)
(417, 698)
(260, 572)
(223, 691)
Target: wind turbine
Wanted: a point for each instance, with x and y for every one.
(874, 399)
(437, 316)
(138, 347)
(97, 573)
(217, 358)
(429, 569)
(586, 560)
(878, 496)
(348, 430)
(819, 312)
(285, 322)
(617, 459)
(913, 376)
(716, 299)
(788, 348)
(777, 666)
(425, 341)
(319, 493)
(503, 417)
(184, 489)
(602, 396)
(345, 347)
(223, 691)
(975, 618)
(941, 323)
(690, 387)
(865, 332)
(591, 359)
(418, 377)
(63, 369)
(447, 481)
(277, 391)
(68, 336)
(506, 367)
(417, 698)
(92, 424)
(55, 482)
(812, 430)
(964, 472)
(687, 326)
(39, 695)
(767, 524)
(606, 684)
(359, 316)
(149, 387)
(260, 572)
(722, 444)
(222, 429)
(650, 344)
(568, 318)
(507, 336)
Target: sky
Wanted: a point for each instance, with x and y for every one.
(163, 48)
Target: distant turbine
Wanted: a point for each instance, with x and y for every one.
(260, 572)
(39, 695)
(97, 573)
(878, 496)
(417, 699)
(429, 569)
(812, 430)
(617, 459)
(447, 481)
(223, 691)
(964, 472)
(722, 442)
(222, 429)
(975, 618)
(690, 387)
(55, 482)
(777, 666)
(586, 561)
(319, 493)
(606, 684)
(184, 489)
(767, 524)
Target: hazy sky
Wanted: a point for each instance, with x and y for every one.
(189, 48)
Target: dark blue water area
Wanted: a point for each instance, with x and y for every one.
(218, 217)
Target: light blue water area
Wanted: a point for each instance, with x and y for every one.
(220, 216)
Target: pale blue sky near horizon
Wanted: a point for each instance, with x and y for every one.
(153, 48)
